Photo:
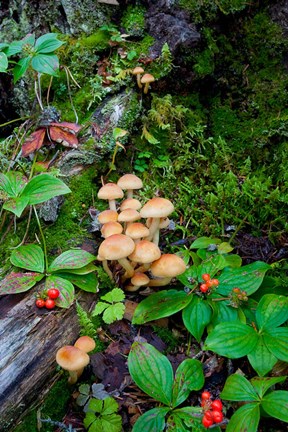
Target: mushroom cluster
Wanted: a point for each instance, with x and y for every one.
(145, 80)
(74, 358)
(131, 236)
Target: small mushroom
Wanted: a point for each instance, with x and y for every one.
(156, 208)
(73, 360)
(110, 192)
(145, 253)
(138, 70)
(137, 281)
(165, 268)
(107, 216)
(130, 182)
(111, 228)
(85, 343)
(118, 247)
(147, 79)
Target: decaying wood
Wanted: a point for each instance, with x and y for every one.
(29, 339)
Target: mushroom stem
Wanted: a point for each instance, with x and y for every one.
(127, 266)
(138, 76)
(74, 375)
(107, 270)
(112, 205)
(146, 88)
(154, 227)
(129, 193)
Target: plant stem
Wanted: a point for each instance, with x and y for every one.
(12, 121)
(43, 239)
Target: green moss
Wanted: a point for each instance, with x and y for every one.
(133, 20)
(53, 407)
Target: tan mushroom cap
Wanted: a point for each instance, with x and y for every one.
(137, 70)
(147, 78)
(108, 216)
(116, 246)
(131, 203)
(71, 358)
(130, 181)
(110, 191)
(111, 228)
(85, 343)
(157, 208)
(137, 230)
(129, 215)
(140, 279)
(168, 265)
(145, 252)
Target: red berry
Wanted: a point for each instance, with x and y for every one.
(40, 303)
(217, 416)
(205, 395)
(53, 293)
(217, 405)
(207, 422)
(204, 288)
(215, 282)
(206, 277)
(208, 415)
(49, 303)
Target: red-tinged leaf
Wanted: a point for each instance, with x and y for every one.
(66, 125)
(15, 283)
(66, 289)
(34, 142)
(63, 137)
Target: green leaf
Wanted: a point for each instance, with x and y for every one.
(46, 64)
(66, 289)
(82, 270)
(231, 339)
(151, 371)
(86, 282)
(276, 404)
(246, 418)
(272, 311)
(71, 259)
(238, 388)
(196, 316)
(16, 205)
(248, 278)
(15, 283)
(3, 62)
(148, 136)
(224, 248)
(276, 341)
(233, 260)
(116, 295)
(222, 311)
(20, 68)
(211, 266)
(29, 257)
(99, 308)
(113, 313)
(151, 421)
(118, 133)
(44, 187)
(186, 418)
(47, 43)
(261, 385)
(107, 421)
(161, 304)
(14, 48)
(12, 183)
(261, 358)
(204, 242)
(189, 376)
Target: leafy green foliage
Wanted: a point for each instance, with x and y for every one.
(19, 192)
(101, 416)
(31, 257)
(37, 54)
(263, 346)
(112, 306)
(153, 373)
(257, 397)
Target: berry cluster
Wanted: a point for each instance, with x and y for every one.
(208, 283)
(212, 410)
(48, 299)
(237, 296)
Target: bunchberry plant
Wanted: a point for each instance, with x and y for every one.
(257, 398)
(263, 341)
(153, 373)
(112, 306)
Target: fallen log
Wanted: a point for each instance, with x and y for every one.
(29, 339)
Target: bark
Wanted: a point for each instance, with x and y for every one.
(30, 338)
